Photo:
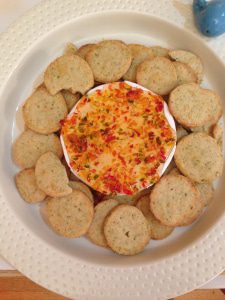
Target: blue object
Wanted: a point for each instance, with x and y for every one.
(210, 16)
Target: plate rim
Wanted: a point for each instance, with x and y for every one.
(19, 260)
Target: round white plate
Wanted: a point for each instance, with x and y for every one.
(74, 267)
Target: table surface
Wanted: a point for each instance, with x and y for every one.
(10, 11)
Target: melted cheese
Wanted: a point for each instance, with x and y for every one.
(117, 138)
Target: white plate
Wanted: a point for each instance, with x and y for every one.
(76, 268)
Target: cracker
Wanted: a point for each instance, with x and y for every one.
(83, 50)
(139, 54)
(30, 145)
(68, 72)
(157, 230)
(71, 99)
(126, 230)
(69, 216)
(185, 74)
(43, 112)
(206, 191)
(95, 232)
(70, 49)
(27, 187)
(175, 201)
(199, 157)
(181, 132)
(193, 106)
(109, 60)
(75, 185)
(217, 133)
(158, 75)
(160, 51)
(51, 176)
(190, 59)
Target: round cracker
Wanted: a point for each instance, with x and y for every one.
(30, 145)
(158, 75)
(126, 230)
(75, 185)
(109, 60)
(160, 51)
(192, 60)
(43, 112)
(95, 232)
(70, 49)
(71, 99)
(193, 106)
(206, 191)
(68, 72)
(27, 186)
(83, 50)
(175, 201)
(139, 54)
(157, 230)
(185, 74)
(69, 216)
(199, 157)
(51, 176)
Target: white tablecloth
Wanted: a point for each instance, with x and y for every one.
(11, 10)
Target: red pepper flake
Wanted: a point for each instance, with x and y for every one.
(135, 130)
(122, 160)
(72, 164)
(122, 85)
(127, 191)
(114, 153)
(110, 138)
(144, 184)
(159, 107)
(158, 141)
(162, 123)
(62, 122)
(137, 160)
(162, 154)
(134, 94)
(150, 158)
(79, 144)
(151, 172)
(131, 146)
(151, 135)
(147, 110)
